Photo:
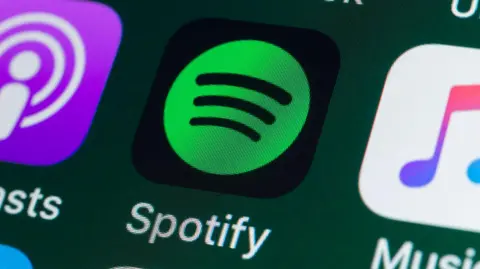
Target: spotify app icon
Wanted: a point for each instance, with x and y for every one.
(237, 108)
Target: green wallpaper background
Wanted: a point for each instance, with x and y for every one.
(322, 224)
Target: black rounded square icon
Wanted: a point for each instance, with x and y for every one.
(237, 107)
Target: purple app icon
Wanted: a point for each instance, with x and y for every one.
(55, 59)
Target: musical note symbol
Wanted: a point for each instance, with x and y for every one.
(419, 173)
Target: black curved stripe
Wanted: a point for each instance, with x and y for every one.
(251, 83)
(236, 103)
(226, 123)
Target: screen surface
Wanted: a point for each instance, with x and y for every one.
(239, 134)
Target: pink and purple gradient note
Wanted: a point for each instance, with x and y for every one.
(419, 173)
(55, 59)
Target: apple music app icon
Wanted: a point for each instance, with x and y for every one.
(55, 58)
(422, 163)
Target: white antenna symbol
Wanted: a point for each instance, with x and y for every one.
(26, 65)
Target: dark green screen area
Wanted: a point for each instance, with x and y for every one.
(321, 224)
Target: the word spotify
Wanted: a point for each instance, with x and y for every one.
(191, 229)
(407, 257)
(34, 204)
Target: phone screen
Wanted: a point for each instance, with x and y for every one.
(239, 134)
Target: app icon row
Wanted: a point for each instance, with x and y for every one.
(247, 102)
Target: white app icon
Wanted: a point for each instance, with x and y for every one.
(422, 160)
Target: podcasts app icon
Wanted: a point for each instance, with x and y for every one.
(237, 107)
(55, 59)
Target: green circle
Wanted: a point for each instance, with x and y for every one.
(225, 151)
